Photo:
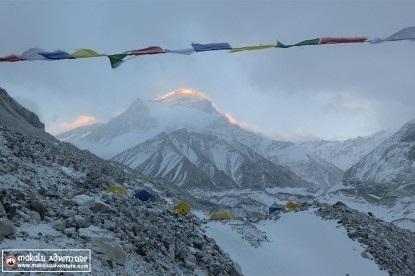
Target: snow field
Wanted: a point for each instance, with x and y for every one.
(300, 243)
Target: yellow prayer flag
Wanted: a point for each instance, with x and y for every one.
(86, 53)
(249, 48)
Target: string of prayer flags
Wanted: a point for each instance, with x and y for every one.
(117, 59)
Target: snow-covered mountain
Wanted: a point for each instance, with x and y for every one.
(184, 108)
(297, 158)
(389, 170)
(199, 160)
(190, 109)
(345, 154)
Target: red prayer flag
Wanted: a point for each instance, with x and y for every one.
(12, 58)
(147, 51)
(336, 40)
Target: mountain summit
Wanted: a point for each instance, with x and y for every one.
(142, 120)
(189, 98)
(183, 93)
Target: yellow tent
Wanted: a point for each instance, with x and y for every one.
(291, 205)
(222, 214)
(118, 189)
(182, 207)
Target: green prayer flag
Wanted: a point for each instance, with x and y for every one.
(116, 60)
(315, 41)
(250, 48)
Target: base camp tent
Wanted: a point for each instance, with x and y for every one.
(275, 207)
(144, 195)
(222, 214)
(291, 205)
(182, 207)
(117, 189)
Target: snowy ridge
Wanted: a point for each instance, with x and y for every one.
(297, 158)
(389, 170)
(345, 154)
(204, 160)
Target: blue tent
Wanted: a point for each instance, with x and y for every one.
(275, 207)
(143, 195)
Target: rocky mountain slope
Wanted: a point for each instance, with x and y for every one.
(16, 117)
(391, 247)
(197, 160)
(193, 110)
(345, 154)
(389, 170)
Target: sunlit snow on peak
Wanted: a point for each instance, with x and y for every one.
(233, 121)
(189, 98)
(183, 93)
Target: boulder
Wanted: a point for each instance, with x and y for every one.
(85, 210)
(2, 210)
(171, 251)
(236, 270)
(78, 222)
(190, 261)
(109, 225)
(112, 249)
(34, 215)
(59, 225)
(101, 206)
(94, 232)
(7, 227)
(38, 207)
(70, 231)
(84, 200)
(23, 216)
(201, 272)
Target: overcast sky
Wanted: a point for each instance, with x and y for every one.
(328, 91)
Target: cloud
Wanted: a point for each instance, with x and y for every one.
(83, 120)
(339, 105)
(303, 135)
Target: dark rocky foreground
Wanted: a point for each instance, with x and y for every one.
(391, 247)
(127, 236)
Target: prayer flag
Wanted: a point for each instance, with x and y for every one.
(211, 47)
(250, 48)
(86, 53)
(147, 51)
(188, 51)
